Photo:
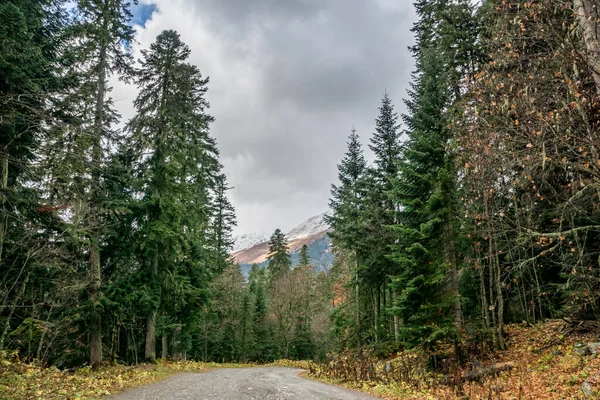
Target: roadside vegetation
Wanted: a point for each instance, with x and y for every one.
(541, 361)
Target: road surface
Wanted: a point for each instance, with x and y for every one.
(261, 383)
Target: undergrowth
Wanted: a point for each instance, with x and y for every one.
(545, 367)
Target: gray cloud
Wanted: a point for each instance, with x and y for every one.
(289, 78)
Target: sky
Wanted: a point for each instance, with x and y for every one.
(288, 81)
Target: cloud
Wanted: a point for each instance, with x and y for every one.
(289, 79)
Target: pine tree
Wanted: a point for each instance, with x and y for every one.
(279, 258)
(345, 202)
(385, 142)
(346, 211)
(262, 332)
(379, 209)
(304, 257)
(76, 156)
(426, 187)
(350, 169)
(30, 70)
(223, 219)
(170, 136)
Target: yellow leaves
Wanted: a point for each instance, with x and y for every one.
(33, 381)
(529, 145)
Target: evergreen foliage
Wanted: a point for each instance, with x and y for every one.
(279, 258)
(480, 206)
(304, 257)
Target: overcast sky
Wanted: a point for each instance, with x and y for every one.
(288, 80)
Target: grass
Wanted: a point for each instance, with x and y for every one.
(33, 381)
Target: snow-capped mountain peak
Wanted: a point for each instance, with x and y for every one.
(308, 228)
(248, 240)
(254, 248)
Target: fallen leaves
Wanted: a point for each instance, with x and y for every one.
(554, 373)
(32, 381)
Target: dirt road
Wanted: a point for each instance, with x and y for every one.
(241, 384)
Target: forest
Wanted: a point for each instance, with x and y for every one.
(481, 207)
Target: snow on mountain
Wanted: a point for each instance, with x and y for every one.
(248, 240)
(308, 228)
(254, 248)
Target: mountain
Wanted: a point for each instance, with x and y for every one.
(312, 226)
(248, 240)
(254, 248)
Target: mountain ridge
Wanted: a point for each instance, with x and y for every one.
(253, 248)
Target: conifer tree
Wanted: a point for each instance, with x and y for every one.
(223, 219)
(350, 169)
(304, 257)
(30, 77)
(170, 136)
(279, 258)
(379, 209)
(345, 219)
(385, 142)
(77, 155)
(425, 189)
(264, 349)
(345, 202)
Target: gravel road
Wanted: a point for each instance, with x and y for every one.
(240, 383)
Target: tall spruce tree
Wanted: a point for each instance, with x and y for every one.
(264, 347)
(385, 142)
(26, 76)
(379, 210)
(30, 70)
(76, 156)
(344, 201)
(304, 257)
(223, 218)
(426, 187)
(170, 136)
(279, 258)
(345, 219)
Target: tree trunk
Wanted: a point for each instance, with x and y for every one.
(588, 16)
(38, 352)
(165, 348)
(12, 311)
(95, 263)
(450, 258)
(396, 319)
(358, 322)
(484, 302)
(501, 342)
(150, 352)
(3, 188)
(96, 317)
(176, 344)
(494, 263)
